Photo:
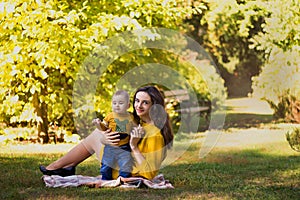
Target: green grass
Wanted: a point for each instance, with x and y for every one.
(261, 171)
(265, 172)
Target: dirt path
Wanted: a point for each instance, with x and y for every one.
(237, 137)
(248, 105)
(251, 137)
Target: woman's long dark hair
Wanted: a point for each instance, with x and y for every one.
(160, 117)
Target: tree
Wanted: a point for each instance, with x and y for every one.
(225, 29)
(39, 44)
(259, 41)
(43, 44)
(278, 82)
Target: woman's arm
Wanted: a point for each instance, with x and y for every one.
(149, 154)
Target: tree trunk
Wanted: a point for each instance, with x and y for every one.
(42, 111)
(295, 111)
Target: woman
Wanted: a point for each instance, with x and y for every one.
(149, 141)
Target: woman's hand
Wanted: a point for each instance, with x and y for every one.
(110, 138)
(135, 136)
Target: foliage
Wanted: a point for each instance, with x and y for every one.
(251, 37)
(12, 134)
(20, 135)
(281, 27)
(293, 138)
(213, 92)
(210, 84)
(230, 24)
(225, 30)
(280, 39)
(173, 71)
(39, 44)
(43, 44)
(279, 77)
(287, 108)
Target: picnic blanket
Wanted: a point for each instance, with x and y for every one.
(158, 182)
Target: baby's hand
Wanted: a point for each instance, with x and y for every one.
(97, 123)
(101, 125)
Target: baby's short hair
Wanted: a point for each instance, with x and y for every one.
(122, 93)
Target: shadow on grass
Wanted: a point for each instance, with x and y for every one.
(245, 120)
(247, 174)
(235, 120)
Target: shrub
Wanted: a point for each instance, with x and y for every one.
(293, 137)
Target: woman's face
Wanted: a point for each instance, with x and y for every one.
(142, 105)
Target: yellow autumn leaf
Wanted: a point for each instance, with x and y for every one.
(43, 74)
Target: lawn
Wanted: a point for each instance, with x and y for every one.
(248, 162)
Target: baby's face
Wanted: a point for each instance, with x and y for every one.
(119, 104)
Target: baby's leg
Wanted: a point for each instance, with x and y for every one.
(125, 163)
(108, 162)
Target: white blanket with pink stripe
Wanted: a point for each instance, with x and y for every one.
(158, 182)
